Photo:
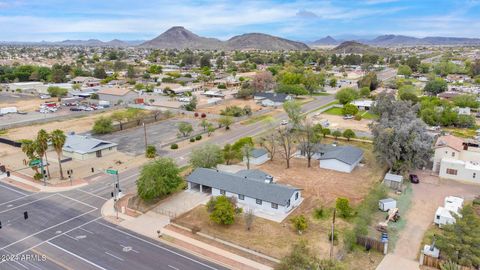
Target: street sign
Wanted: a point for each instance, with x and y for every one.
(35, 162)
(111, 171)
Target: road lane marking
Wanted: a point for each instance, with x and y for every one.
(14, 190)
(158, 246)
(174, 268)
(71, 237)
(46, 197)
(91, 194)
(76, 256)
(118, 258)
(111, 184)
(17, 199)
(46, 229)
(86, 230)
(78, 201)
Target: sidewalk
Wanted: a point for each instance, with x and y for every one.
(394, 262)
(28, 185)
(150, 223)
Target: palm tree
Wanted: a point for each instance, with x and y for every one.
(58, 140)
(29, 147)
(42, 146)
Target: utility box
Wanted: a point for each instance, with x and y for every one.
(387, 204)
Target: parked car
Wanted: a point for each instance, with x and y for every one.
(348, 116)
(76, 109)
(284, 122)
(414, 179)
(45, 96)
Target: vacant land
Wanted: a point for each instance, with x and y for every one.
(320, 189)
(216, 109)
(337, 122)
(22, 102)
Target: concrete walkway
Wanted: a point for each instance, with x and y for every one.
(394, 262)
(32, 186)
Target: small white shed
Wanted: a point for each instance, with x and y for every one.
(394, 181)
(387, 204)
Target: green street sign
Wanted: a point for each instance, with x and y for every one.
(35, 162)
(111, 171)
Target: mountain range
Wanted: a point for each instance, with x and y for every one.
(399, 40)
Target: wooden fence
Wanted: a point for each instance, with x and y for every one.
(373, 243)
(10, 142)
(436, 262)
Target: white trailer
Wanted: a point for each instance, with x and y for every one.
(8, 110)
(387, 204)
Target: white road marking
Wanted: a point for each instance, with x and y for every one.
(174, 268)
(46, 197)
(71, 237)
(76, 256)
(19, 198)
(91, 194)
(110, 185)
(14, 190)
(46, 229)
(158, 246)
(78, 201)
(128, 249)
(118, 258)
(86, 230)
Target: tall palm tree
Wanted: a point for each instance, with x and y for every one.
(58, 139)
(42, 146)
(29, 147)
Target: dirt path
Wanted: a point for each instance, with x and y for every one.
(427, 196)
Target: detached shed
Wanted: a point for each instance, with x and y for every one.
(394, 181)
(387, 204)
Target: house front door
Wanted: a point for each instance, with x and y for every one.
(99, 153)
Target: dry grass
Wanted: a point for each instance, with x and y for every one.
(216, 109)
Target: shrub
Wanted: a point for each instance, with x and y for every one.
(196, 114)
(38, 176)
(195, 229)
(343, 207)
(358, 117)
(174, 146)
(151, 151)
(192, 139)
(349, 240)
(203, 115)
(319, 213)
(102, 125)
(198, 138)
(299, 223)
(335, 237)
(223, 211)
(349, 109)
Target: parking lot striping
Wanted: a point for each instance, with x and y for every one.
(174, 268)
(110, 184)
(15, 207)
(91, 194)
(14, 190)
(48, 240)
(75, 255)
(86, 230)
(46, 229)
(158, 246)
(71, 237)
(78, 201)
(118, 258)
(17, 199)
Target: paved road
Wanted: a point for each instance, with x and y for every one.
(68, 230)
(386, 74)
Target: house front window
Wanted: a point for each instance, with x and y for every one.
(474, 175)
(241, 197)
(452, 171)
(274, 206)
(259, 201)
(288, 203)
(453, 154)
(438, 217)
(296, 196)
(222, 191)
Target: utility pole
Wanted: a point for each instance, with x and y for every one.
(145, 136)
(333, 233)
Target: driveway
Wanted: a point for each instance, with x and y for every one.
(132, 140)
(181, 202)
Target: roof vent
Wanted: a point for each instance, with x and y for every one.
(268, 179)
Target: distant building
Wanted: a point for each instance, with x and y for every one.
(117, 95)
(363, 105)
(271, 99)
(258, 156)
(85, 147)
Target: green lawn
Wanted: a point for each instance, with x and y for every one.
(256, 119)
(462, 132)
(334, 111)
(368, 115)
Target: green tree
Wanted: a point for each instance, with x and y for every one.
(299, 223)
(436, 86)
(151, 151)
(158, 178)
(325, 132)
(364, 92)
(29, 147)
(99, 72)
(337, 133)
(56, 91)
(119, 116)
(225, 121)
(42, 146)
(333, 82)
(58, 139)
(348, 133)
(230, 154)
(369, 80)
(349, 109)
(206, 156)
(102, 125)
(185, 128)
(294, 111)
(346, 95)
(459, 242)
(404, 70)
(464, 101)
(223, 211)
(155, 69)
(204, 124)
(343, 207)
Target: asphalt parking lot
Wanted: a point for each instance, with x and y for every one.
(132, 140)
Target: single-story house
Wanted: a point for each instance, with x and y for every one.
(117, 95)
(214, 93)
(85, 147)
(363, 105)
(463, 111)
(446, 214)
(271, 99)
(394, 181)
(257, 156)
(254, 190)
(339, 158)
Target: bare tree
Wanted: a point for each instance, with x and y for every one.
(285, 139)
(309, 141)
(247, 153)
(269, 143)
(263, 81)
(249, 218)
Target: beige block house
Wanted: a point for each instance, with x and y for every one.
(84, 147)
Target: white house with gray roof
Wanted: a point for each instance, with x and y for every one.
(258, 156)
(85, 147)
(271, 99)
(334, 157)
(253, 190)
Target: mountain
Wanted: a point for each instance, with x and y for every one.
(399, 40)
(90, 42)
(328, 40)
(354, 47)
(178, 37)
(258, 41)
(392, 40)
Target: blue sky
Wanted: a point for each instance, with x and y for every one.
(52, 20)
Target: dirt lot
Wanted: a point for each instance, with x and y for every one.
(337, 122)
(23, 103)
(320, 188)
(78, 125)
(216, 109)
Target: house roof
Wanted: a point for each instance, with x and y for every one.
(275, 97)
(253, 174)
(346, 154)
(247, 186)
(114, 91)
(84, 144)
(450, 141)
(258, 152)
